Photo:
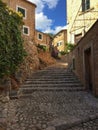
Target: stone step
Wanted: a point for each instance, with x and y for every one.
(53, 72)
(53, 77)
(53, 85)
(31, 90)
(51, 81)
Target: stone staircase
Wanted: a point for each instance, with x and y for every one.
(50, 79)
(54, 97)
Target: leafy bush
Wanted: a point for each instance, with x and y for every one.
(69, 47)
(63, 52)
(11, 43)
(44, 48)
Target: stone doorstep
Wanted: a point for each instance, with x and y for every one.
(75, 123)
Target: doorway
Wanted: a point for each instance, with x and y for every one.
(88, 69)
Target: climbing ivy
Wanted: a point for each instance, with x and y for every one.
(11, 43)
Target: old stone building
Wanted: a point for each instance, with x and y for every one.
(60, 39)
(42, 38)
(81, 15)
(28, 10)
(84, 59)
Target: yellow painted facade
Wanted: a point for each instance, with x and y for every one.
(79, 19)
(59, 40)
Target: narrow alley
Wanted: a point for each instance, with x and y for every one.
(52, 99)
(43, 44)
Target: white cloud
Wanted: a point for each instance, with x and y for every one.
(41, 4)
(55, 30)
(51, 3)
(43, 23)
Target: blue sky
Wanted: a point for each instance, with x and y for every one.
(50, 15)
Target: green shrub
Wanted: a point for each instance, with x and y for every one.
(63, 52)
(44, 48)
(69, 47)
(11, 43)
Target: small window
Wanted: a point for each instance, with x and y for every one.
(22, 10)
(40, 36)
(85, 5)
(25, 30)
(59, 43)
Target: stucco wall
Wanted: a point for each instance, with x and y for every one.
(60, 37)
(78, 21)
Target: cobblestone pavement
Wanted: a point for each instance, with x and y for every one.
(52, 110)
(47, 109)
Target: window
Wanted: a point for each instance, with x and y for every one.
(25, 30)
(85, 5)
(22, 10)
(59, 43)
(40, 36)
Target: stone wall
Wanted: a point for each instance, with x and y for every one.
(45, 38)
(84, 59)
(29, 20)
